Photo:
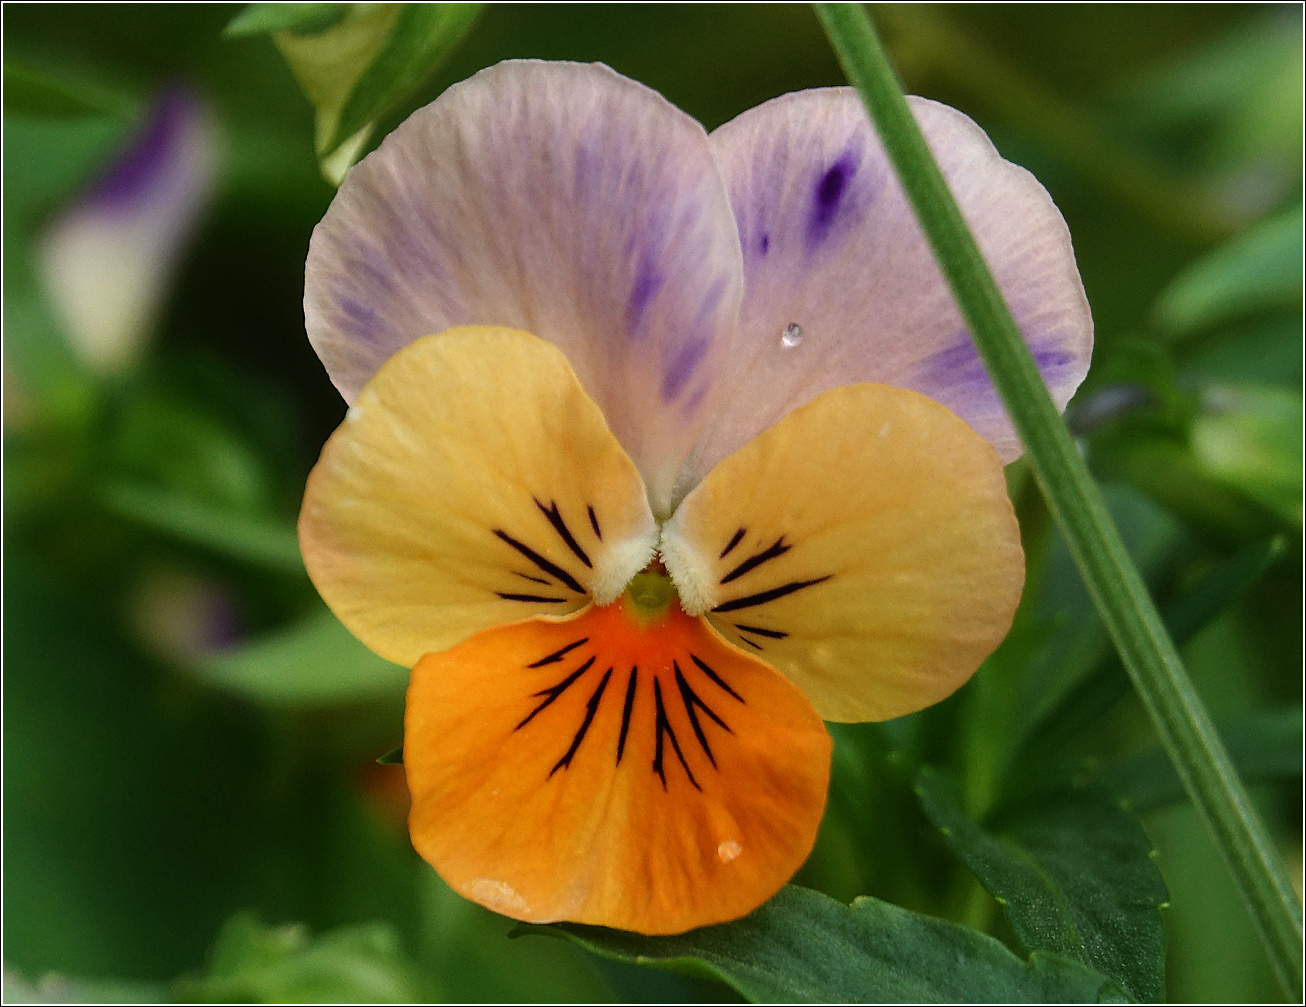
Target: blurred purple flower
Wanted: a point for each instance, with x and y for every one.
(182, 616)
(106, 261)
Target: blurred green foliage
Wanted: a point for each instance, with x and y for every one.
(190, 738)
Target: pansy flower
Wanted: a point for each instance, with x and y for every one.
(662, 447)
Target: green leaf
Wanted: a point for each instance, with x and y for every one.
(421, 37)
(357, 70)
(394, 757)
(256, 963)
(1261, 268)
(1265, 350)
(1106, 684)
(1165, 468)
(314, 661)
(1263, 745)
(161, 436)
(1251, 438)
(1073, 875)
(254, 540)
(803, 947)
(329, 64)
(36, 93)
(302, 19)
(1241, 89)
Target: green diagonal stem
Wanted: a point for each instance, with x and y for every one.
(1118, 592)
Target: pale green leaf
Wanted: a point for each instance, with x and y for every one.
(362, 66)
(1250, 436)
(54, 988)
(38, 93)
(314, 661)
(256, 963)
(421, 37)
(298, 18)
(329, 64)
(1261, 268)
(254, 540)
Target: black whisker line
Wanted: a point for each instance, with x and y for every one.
(738, 537)
(625, 713)
(687, 693)
(594, 523)
(770, 634)
(591, 708)
(554, 691)
(778, 548)
(762, 597)
(560, 526)
(706, 670)
(537, 580)
(751, 643)
(557, 690)
(558, 655)
(538, 598)
(664, 726)
(548, 567)
(690, 698)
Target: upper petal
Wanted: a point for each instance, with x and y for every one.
(472, 484)
(559, 198)
(832, 248)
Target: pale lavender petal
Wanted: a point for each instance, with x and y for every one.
(107, 260)
(558, 198)
(841, 287)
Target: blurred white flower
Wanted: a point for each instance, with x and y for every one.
(106, 261)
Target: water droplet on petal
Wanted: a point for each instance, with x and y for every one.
(791, 336)
(728, 850)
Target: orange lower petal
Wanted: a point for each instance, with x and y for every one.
(602, 770)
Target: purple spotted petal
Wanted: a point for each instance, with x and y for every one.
(107, 259)
(841, 287)
(558, 198)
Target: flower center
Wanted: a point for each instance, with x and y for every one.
(649, 594)
(666, 653)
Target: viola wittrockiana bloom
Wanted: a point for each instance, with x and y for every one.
(662, 447)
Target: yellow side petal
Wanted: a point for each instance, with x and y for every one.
(865, 546)
(607, 770)
(472, 484)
